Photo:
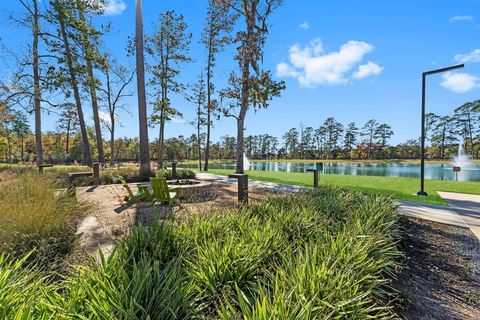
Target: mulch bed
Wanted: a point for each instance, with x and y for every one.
(441, 279)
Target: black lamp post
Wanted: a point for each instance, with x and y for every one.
(422, 139)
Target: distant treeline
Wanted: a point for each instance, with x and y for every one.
(331, 140)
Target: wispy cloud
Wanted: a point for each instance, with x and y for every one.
(472, 56)
(367, 70)
(459, 82)
(312, 66)
(104, 117)
(178, 121)
(461, 18)
(305, 25)
(114, 7)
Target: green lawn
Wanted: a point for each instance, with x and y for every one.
(399, 188)
(402, 161)
(381, 161)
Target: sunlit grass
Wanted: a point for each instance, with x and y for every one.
(34, 214)
(398, 188)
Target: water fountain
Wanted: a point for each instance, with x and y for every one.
(462, 159)
(246, 162)
(463, 163)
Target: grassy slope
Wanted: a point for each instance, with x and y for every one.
(399, 188)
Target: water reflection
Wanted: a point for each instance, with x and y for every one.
(432, 171)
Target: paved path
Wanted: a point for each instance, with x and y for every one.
(463, 209)
(431, 212)
(263, 185)
(468, 208)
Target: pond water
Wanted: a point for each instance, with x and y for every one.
(432, 171)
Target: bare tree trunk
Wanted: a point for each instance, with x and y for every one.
(91, 85)
(96, 118)
(112, 144)
(87, 156)
(111, 110)
(67, 142)
(22, 150)
(241, 117)
(442, 146)
(161, 142)
(240, 144)
(36, 86)
(198, 139)
(209, 112)
(369, 154)
(142, 100)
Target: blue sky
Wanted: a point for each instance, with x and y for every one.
(353, 60)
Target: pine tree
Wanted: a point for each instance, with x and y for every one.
(215, 37)
(168, 47)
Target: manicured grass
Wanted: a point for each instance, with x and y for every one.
(398, 188)
(402, 161)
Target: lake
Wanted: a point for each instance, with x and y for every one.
(432, 171)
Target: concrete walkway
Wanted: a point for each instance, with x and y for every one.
(467, 206)
(431, 212)
(263, 185)
(463, 209)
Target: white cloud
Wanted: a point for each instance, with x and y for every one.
(114, 7)
(178, 121)
(472, 56)
(305, 25)
(366, 70)
(459, 82)
(104, 117)
(312, 66)
(461, 18)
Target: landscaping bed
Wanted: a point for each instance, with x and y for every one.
(322, 254)
(441, 278)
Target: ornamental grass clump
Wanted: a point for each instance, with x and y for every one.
(36, 213)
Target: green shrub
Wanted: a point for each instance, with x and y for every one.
(181, 174)
(323, 254)
(131, 175)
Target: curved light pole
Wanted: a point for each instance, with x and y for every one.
(422, 134)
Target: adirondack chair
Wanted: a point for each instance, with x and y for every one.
(161, 192)
(134, 197)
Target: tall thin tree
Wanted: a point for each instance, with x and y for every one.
(198, 97)
(62, 17)
(90, 55)
(215, 36)
(142, 99)
(257, 87)
(168, 47)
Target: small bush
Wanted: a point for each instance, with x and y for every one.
(181, 174)
(131, 175)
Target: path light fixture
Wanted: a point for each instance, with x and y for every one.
(422, 134)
